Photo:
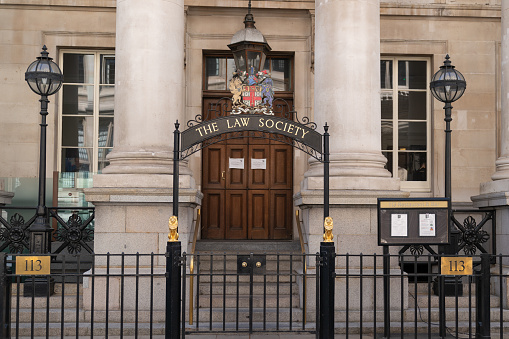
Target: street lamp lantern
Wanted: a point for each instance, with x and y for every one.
(448, 84)
(43, 75)
(249, 47)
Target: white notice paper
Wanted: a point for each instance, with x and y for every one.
(258, 163)
(237, 163)
(399, 225)
(427, 226)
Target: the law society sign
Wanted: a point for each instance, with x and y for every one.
(413, 221)
(252, 122)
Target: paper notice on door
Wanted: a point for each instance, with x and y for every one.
(399, 225)
(427, 226)
(259, 164)
(237, 163)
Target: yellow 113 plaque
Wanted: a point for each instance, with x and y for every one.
(33, 265)
(456, 266)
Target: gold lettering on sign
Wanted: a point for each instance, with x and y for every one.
(414, 204)
(239, 122)
(204, 130)
(285, 127)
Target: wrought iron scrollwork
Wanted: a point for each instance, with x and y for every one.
(472, 237)
(417, 250)
(15, 233)
(74, 234)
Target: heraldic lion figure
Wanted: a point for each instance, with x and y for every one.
(235, 87)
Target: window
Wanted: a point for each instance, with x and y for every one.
(219, 71)
(406, 132)
(86, 115)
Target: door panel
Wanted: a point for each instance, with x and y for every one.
(214, 173)
(281, 166)
(259, 178)
(213, 214)
(258, 214)
(236, 178)
(236, 216)
(281, 214)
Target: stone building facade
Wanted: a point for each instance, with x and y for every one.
(362, 67)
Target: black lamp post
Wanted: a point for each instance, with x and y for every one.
(44, 78)
(249, 47)
(447, 86)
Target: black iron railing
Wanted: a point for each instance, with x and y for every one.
(73, 229)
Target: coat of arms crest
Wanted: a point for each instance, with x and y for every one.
(252, 93)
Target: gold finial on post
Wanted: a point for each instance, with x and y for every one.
(328, 225)
(173, 226)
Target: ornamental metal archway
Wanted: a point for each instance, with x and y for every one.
(204, 131)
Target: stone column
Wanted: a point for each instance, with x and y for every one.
(347, 97)
(495, 194)
(133, 195)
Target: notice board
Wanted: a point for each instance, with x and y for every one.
(413, 221)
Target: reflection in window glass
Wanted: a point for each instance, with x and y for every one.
(105, 132)
(79, 68)
(219, 71)
(76, 159)
(106, 100)
(77, 131)
(412, 105)
(107, 69)
(103, 162)
(412, 74)
(387, 138)
(216, 74)
(412, 136)
(78, 99)
(387, 104)
(412, 166)
(386, 74)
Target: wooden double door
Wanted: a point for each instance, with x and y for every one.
(248, 188)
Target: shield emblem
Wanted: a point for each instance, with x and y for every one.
(251, 95)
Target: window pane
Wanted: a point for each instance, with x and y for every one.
(266, 66)
(412, 166)
(281, 74)
(412, 105)
(230, 68)
(77, 131)
(103, 162)
(78, 99)
(76, 159)
(105, 132)
(387, 138)
(412, 136)
(412, 74)
(253, 60)
(387, 105)
(386, 74)
(107, 69)
(106, 100)
(215, 74)
(78, 68)
(388, 165)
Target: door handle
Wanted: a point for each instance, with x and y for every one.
(223, 175)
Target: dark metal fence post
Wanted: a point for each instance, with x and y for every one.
(482, 296)
(387, 293)
(327, 279)
(173, 289)
(5, 298)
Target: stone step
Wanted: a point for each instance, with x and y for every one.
(258, 314)
(230, 301)
(244, 289)
(450, 302)
(272, 265)
(231, 277)
(55, 301)
(247, 246)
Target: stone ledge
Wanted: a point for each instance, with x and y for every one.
(141, 195)
(491, 199)
(345, 197)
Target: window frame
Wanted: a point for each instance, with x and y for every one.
(229, 55)
(411, 186)
(97, 85)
